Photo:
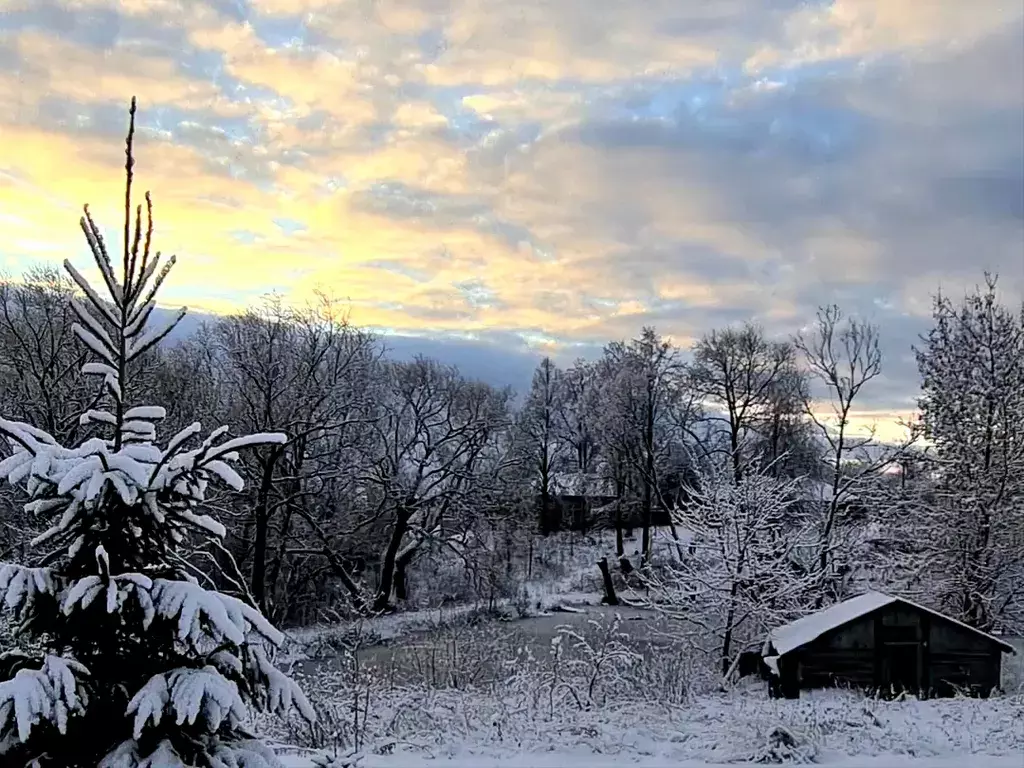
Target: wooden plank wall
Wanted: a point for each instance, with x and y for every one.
(949, 655)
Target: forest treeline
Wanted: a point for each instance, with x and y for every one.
(392, 463)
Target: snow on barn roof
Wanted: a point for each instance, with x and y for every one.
(578, 484)
(809, 628)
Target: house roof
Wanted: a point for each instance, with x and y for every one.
(579, 484)
(809, 628)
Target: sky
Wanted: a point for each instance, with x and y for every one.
(489, 181)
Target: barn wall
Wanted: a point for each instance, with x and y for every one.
(847, 656)
(900, 616)
(844, 657)
(961, 657)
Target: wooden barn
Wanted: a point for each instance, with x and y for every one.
(882, 643)
(573, 499)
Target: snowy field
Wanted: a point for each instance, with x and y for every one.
(499, 695)
(831, 729)
(569, 760)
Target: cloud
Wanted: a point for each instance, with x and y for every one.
(867, 29)
(539, 176)
(495, 43)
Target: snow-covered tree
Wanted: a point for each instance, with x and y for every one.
(542, 449)
(40, 377)
(578, 418)
(741, 577)
(40, 365)
(972, 536)
(304, 372)
(742, 375)
(431, 440)
(647, 406)
(130, 658)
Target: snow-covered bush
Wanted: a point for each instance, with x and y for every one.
(511, 720)
(740, 575)
(129, 661)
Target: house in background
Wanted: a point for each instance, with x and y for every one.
(573, 498)
(883, 643)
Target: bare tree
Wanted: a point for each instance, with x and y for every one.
(843, 356)
(784, 438)
(544, 452)
(290, 370)
(40, 376)
(644, 384)
(742, 578)
(738, 371)
(188, 380)
(578, 418)
(39, 362)
(433, 430)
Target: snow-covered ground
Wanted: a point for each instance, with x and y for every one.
(309, 641)
(503, 712)
(577, 760)
(566, 577)
(830, 728)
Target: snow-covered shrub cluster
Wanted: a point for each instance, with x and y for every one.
(514, 718)
(587, 666)
(604, 688)
(131, 658)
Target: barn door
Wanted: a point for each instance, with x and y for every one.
(901, 652)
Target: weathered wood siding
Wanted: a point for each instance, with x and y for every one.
(959, 657)
(844, 657)
(874, 651)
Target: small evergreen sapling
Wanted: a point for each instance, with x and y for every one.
(128, 661)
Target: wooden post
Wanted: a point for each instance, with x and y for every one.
(924, 656)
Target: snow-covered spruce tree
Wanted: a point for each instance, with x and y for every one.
(128, 661)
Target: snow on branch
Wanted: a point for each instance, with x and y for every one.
(50, 694)
(278, 693)
(152, 337)
(146, 413)
(21, 586)
(88, 290)
(123, 512)
(185, 694)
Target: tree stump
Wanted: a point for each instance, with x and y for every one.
(610, 598)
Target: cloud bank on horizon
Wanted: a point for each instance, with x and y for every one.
(538, 174)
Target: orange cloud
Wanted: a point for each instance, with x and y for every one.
(310, 80)
(444, 180)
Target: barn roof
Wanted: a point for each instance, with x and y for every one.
(809, 628)
(579, 484)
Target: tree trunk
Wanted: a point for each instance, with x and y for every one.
(610, 598)
(675, 538)
(401, 577)
(730, 617)
(620, 545)
(387, 567)
(401, 584)
(339, 570)
(546, 518)
(649, 479)
(258, 578)
(278, 564)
